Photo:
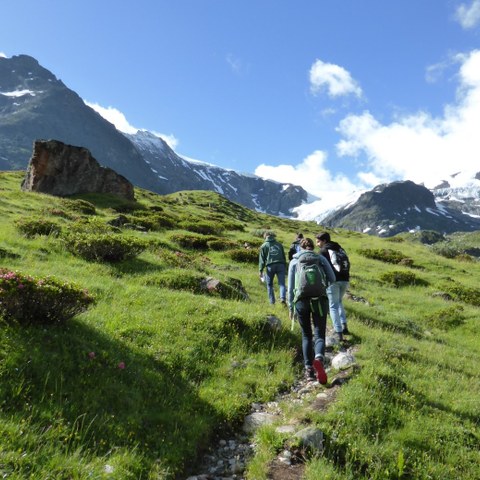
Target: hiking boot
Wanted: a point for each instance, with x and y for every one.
(309, 374)
(345, 330)
(284, 303)
(320, 371)
(339, 336)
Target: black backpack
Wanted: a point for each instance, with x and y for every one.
(340, 261)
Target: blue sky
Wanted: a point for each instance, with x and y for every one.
(335, 96)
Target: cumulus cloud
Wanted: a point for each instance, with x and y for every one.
(118, 119)
(113, 116)
(421, 147)
(468, 15)
(3, 55)
(333, 79)
(313, 176)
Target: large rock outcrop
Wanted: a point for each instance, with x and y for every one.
(60, 169)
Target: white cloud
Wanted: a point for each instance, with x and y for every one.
(420, 147)
(334, 79)
(113, 116)
(118, 119)
(234, 63)
(3, 55)
(468, 16)
(312, 175)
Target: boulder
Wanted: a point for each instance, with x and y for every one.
(60, 169)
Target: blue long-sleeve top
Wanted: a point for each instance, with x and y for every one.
(292, 268)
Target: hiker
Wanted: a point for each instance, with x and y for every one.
(271, 258)
(308, 301)
(295, 246)
(340, 263)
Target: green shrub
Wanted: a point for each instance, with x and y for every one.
(153, 221)
(190, 241)
(178, 259)
(446, 250)
(243, 255)
(82, 206)
(429, 237)
(446, 318)
(383, 254)
(4, 253)
(104, 247)
(464, 294)
(222, 244)
(205, 228)
(30, 227)
(401, 279)
(46, 300)
(174, 280)
(91, 225)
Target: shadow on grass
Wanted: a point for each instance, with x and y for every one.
(106, 394)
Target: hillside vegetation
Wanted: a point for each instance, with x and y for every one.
(135, 363)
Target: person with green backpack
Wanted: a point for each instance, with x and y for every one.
(271, 258)
(309, 275)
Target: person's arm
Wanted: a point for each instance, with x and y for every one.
(333, 260)
(261, 260)
(292, 268)
(328, 269)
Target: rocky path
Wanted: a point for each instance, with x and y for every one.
(228, 459)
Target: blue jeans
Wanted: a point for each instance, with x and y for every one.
(335, 292)
(312, 312)
(279, 270)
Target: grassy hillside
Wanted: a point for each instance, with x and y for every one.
(139, 382)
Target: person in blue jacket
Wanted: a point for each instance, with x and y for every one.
(310, 312)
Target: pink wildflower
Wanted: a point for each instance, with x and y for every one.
(91, 355)
(121, 365)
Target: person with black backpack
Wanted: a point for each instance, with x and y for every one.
(309, 275)
(339, 261)
(295, 246)
(271, 258)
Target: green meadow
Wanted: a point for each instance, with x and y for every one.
(117, 361)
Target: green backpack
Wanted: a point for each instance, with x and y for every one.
(310, 278)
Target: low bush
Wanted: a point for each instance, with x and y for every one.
(222, 244)
(429, 237)
(175, 280)
(104, 247)
(81, 206)
(386, 255)
(4, 253)
(40, 300)
(461, 293)
(178, 259)
(190, 241)
(205, 228)
(153, 221)
(401, 279)
(446, 318)
(243, 255)
(446, 250)
(30, 227)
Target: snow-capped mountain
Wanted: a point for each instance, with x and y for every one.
(405, 206)
(35, 105)
(460, 192)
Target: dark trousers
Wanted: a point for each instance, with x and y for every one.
(312, 317)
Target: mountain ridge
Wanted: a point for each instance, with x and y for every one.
(35, 105)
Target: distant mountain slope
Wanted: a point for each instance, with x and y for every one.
(34, 104)
(176, 173)
(398, 207)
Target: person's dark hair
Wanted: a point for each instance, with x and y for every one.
(307, 244)
(324, 236)
(299, 235)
